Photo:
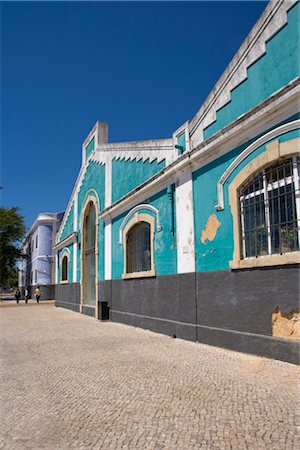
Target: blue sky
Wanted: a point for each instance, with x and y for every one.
(144, 67)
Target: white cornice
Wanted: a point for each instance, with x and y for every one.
(65, 242)
(254, 122)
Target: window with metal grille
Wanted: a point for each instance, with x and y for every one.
(64, 269)
(270, 210)
(138, 250)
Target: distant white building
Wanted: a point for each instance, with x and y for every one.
(35, 266)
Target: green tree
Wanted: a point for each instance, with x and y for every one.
(12, 230)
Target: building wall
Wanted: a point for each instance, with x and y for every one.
(69, 224)
(211, 303)
(276, 68)
(127, 174)
(215, 252)
(164, 240)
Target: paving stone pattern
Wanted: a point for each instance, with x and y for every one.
(71, 382)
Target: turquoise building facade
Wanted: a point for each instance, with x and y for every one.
(197, 236)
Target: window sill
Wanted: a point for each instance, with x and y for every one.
(64, 282)
(148, 273)
(267, 260)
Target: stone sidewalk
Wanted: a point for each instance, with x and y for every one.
(71, 382)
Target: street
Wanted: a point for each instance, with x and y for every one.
(71, 382)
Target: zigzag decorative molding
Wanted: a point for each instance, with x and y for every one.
(274, 18)
(134, 155)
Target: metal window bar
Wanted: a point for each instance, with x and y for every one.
(270, 210)
(138, 249)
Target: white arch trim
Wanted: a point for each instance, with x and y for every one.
(64, 252)
(290, 126)
(134, 210)
(90, 193)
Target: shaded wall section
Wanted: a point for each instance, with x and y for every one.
(68, 296)
(222, 308)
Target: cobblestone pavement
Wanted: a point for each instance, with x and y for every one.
(71, 382)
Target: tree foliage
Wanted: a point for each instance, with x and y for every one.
(12, 230)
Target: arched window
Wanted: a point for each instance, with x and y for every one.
(269, 207)
(65, 268)
(138, 246)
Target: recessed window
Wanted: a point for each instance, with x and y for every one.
(36, 276)
(36, 241)
(139, 247)
(270, 210)
(65, 268)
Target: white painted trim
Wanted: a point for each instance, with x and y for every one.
(91, 196)
(184, 128)
(56, 268)
(108, 249)
(67, 241)
(65, 252)
(87, 196)
(133, 211)
(75, 216)
(254, 123)
(185, 224)
(49, 257)
(108, 181)
(290, 126)
(75, 245)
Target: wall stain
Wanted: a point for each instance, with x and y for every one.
(211, 228)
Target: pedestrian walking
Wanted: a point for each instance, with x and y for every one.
(26, 295)
(17, 295)
(37, 294)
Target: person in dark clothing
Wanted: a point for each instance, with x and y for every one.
(17, 295)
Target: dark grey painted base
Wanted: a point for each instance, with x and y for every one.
(226, 309)
(68, 296)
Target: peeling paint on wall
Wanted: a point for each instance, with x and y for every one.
(211, 228)
(286, 324)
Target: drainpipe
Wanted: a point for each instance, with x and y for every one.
(170, 192)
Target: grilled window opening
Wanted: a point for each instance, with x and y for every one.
(270, 210)
(65, 268)
(138, 244)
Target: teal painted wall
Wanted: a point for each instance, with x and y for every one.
(94, 179)
(126, 175)
(70, 247)
(181, 143)
(215, 255)
(276, 68)
(90, 147)
(69, 225)
(165, 254)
